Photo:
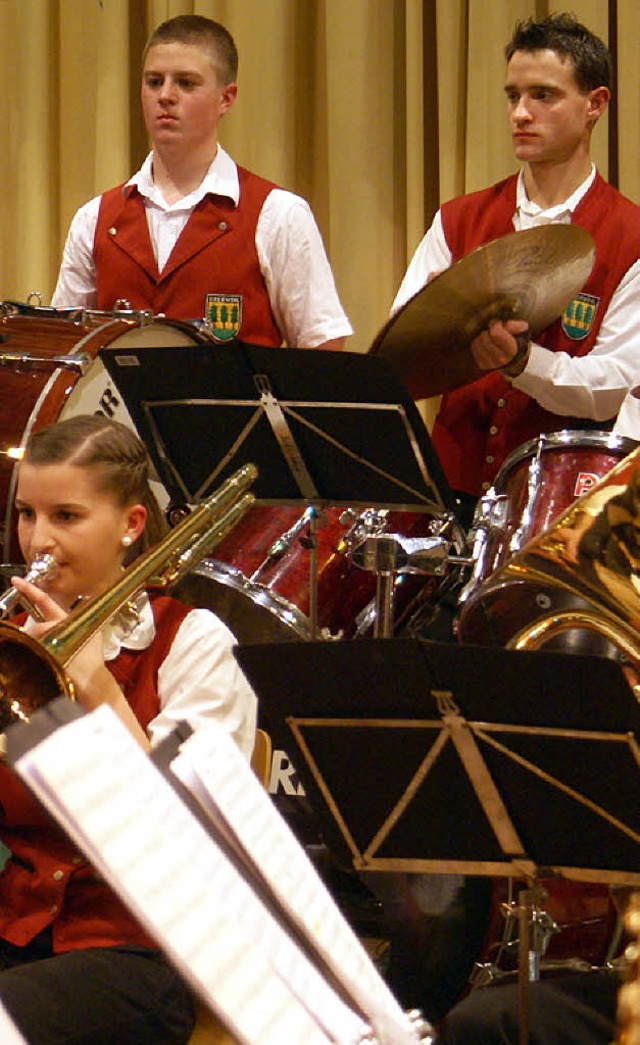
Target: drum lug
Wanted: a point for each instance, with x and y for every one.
(23, 361)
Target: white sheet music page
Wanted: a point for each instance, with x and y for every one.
(213, 769)
(9, 1033)
(138, 833)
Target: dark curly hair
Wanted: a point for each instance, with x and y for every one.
(568, 38)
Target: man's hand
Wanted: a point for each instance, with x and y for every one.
(502, 346)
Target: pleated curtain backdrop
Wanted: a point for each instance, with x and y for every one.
(374, 110)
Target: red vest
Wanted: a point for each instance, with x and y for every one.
(47, 882)
(480, 424)
(215, 254)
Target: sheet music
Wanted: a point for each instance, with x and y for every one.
(215, 772)
(137, 832)
(9, 1033)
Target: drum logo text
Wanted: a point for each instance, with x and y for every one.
(584, 482)
(223, 315)
(578, 316)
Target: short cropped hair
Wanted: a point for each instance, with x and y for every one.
(198, 30)
(564, 35)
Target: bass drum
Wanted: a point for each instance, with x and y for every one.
(51, 371)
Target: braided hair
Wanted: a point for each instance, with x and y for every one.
(117, 457)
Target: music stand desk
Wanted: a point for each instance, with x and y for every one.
(427, 757)
(322, 427)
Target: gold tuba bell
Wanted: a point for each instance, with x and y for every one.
(582, 575)
(32, 671)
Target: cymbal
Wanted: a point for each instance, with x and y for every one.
(532, 275)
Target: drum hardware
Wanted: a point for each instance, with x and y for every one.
(26, 308)
(530, 275)
(539, 926)
(417, 1025)
(285, 541)
(23, 362)
(534, 477)
(488, 522)
(389, 555)
(80, 316)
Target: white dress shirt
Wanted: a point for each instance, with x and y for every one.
(292, 257)
(591, 386)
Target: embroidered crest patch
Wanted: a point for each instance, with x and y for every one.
(578, 316)
(223, 314)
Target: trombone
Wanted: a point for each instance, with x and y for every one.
(32, 671)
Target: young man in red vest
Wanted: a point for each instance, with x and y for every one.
(191, 235)
(579, 369)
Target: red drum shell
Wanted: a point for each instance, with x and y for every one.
(570, 464)
(267, 598)
(31, 398)
(585, 916)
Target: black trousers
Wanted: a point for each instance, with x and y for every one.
(99, 996)
(574, 1009)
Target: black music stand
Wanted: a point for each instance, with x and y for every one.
(429, 757)
(322, 427)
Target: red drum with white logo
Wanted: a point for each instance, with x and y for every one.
(536, 483)
(50, 370)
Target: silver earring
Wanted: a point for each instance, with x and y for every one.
(127, 541)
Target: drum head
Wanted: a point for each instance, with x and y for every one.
(251, 611)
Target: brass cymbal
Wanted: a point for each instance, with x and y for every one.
(532, 275)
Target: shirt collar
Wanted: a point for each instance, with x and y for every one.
(221, 179)
(132, 628)
(552, 214)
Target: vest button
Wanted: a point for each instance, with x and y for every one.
(501, 402)
(493, 430)
(486, 486)
(489, 458)
(112, 231)
(58, 876)
(222, 225)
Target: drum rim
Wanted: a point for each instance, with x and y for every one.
(231, 577)
(566, 438)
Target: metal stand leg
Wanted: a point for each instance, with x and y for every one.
(383, 624)
(311, 542)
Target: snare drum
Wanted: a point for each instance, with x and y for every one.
(536, 483)
(259, 581)
(51, 371)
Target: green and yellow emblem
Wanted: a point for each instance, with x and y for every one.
(223, 314)
(578, 316)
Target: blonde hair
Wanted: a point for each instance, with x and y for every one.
(197, 30)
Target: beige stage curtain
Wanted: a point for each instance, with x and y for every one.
(375, 111)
